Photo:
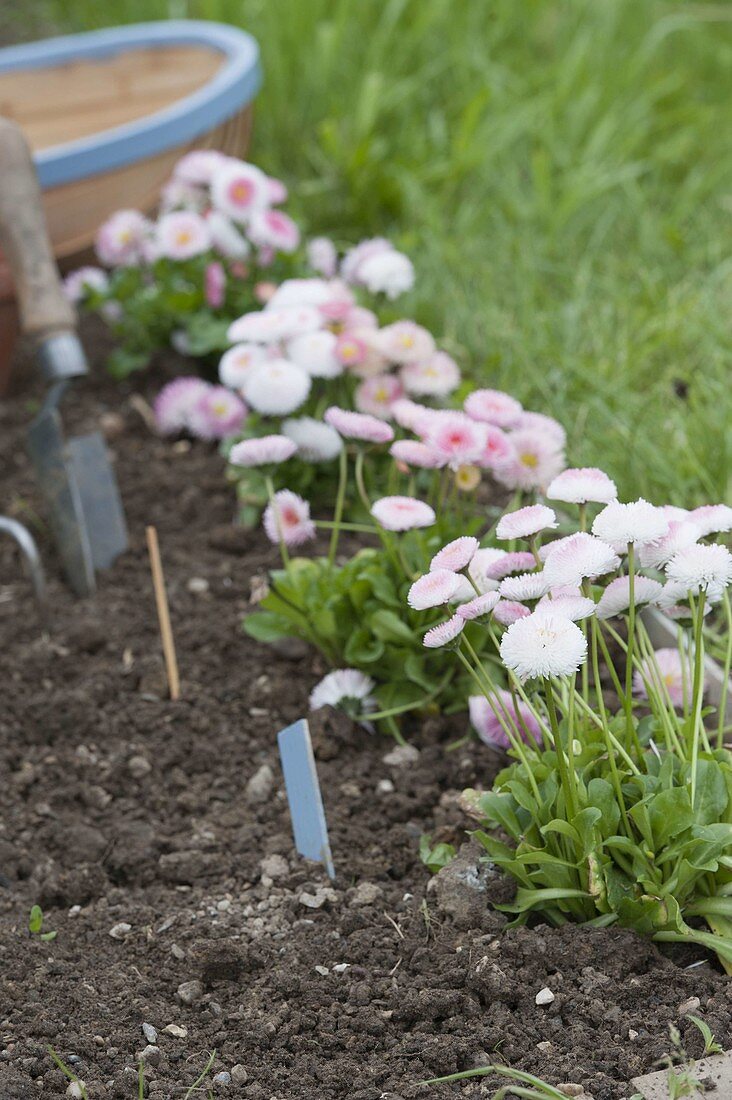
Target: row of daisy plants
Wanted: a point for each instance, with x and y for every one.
(457, 564)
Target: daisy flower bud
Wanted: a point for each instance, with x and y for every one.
(402, 513)
(638, 522)
(456, 555)
(266, 450)
(346, 688)
(216, 414)
(478, 606)
(510, 611)
(702, 568)
(433, 589)
(444, 633)
(175, 403)
(287, 519)
(616, 597)
(668, 674)
(526, 522)
(493, 407)
(543, 644)
(514, 713)
(582, 486)
(276, 387)
(315, 441)
(181, 235)
(571, 560)
(434, 377)
(361, 426)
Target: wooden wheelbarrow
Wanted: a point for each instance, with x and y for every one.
(108, 113)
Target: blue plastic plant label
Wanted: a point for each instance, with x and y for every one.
(303, 794)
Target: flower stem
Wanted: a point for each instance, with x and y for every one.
(275, 511)
(340, 500)
(725, 671)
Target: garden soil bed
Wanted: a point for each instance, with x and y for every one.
(122, 808)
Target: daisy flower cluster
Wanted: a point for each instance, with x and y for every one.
(196, 408)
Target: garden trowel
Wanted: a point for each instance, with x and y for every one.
(74, 474)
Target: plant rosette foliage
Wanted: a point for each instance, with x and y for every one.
(618, 807)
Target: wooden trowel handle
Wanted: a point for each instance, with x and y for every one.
(44, 309)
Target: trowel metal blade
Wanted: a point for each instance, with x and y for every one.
(57, 482)
(100, 500)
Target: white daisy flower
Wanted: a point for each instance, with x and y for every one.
(543, 644)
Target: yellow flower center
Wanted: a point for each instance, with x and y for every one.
(529, 459)
(467, 478)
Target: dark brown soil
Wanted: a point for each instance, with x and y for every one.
(120, 807)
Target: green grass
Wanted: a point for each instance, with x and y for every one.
(560, 172)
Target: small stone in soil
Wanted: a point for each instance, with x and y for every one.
(176, 1030)
(119, 931)
(198, 585)
(318, 899)
(139, 767)
(385, 786)
(690, 1005)
(322, 970)
(401, 756)
(222, 1080)
(190, 992)
(149, 1032)
(150, 1055)
(239, 1074)
(274, 867)
(544, 996)
(259, 787)
(366, 893)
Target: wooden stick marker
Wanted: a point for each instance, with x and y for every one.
(161, 602)
(303, 794)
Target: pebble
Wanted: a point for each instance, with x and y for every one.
(572, 1089)
(401, 756)
(274, 867)
(384, 786)
(198, 585)
(259, 788)
(177, 952)
(632, 1035)
(239, 1074)
(544, 1047)
(544, 996)
(176, 1030)
(366, 893)
(150, 1033)
(341, 968)
(119, 931)
(322, 970)
(222, 1080)
(150, 1055)
(318, 899)
(690, 1005)
(190, 992)
(76, 1090)
(139, 767)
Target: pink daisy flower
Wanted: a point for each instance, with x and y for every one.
(433, 589)
(545, 425)
(198, 166)
(667, 674)
(456, 555)
(287, 519)
(413, 453)
(277, 191)
(267, 450)
(571, 560)
(402, 513)
(526, 522)
(77, 284)
(434, 377)
(497, 448)
(478, 606)
(275, 229)
(712, 519)
(237, 362)
(405, 342)
(444, 633)
(269, 325)
(350, 350)
(181, 235)
(239, 190)
(638, 522)
(376, 395)
(120, 240)
(412, 416)
(217, 413)
(582, 486)
(616, 597)
(526, 586)
(175, 402)
(493, 407)
(519, 561)
(534, 460)
(514, 713)
(510, 611)
(456, 438)
(354, 425)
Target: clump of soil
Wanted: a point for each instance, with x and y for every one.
(156, 837)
